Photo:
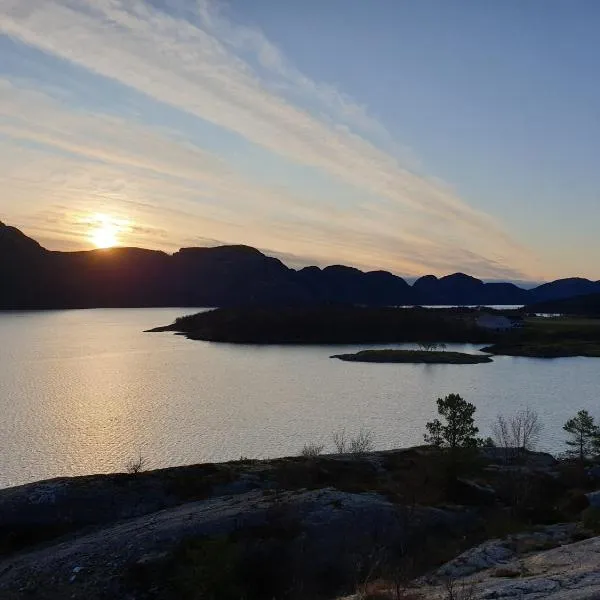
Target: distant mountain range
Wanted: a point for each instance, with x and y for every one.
(32, 277)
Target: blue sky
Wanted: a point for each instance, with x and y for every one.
(416, 136)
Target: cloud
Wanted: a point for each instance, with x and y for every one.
(202, 63)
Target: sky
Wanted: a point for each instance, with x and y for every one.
(416, 136)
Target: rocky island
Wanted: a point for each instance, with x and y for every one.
(414, 357)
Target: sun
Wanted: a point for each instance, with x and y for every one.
(105, 231)
(104, 237)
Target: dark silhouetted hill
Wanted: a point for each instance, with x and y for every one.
(584, 306)
(564, 288)
(32, 277)
(340, 324)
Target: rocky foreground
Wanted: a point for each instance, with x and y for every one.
(316, 527)
(517, 568)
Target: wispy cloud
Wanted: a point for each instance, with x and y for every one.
(198, 61)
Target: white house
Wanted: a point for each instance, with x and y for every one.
(495, 323)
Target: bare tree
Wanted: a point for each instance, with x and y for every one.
(459, 590)
(135, 466)
(340, 441)
(312, 450)
(517, 433)
(363, 442)
(428, 346)
(359, 444)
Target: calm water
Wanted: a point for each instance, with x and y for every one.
(84, 391)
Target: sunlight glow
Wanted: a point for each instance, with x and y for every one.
(105, 231)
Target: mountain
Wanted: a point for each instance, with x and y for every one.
(564, 288)
(35, 278)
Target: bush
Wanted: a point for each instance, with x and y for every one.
(456, 590)
(312, 450)
(517, 433)
(207, 569)
(340, 441)
(135, 466)
(591, 519)
(362, 443)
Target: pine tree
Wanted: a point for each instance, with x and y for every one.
(459, 430)
(584, 434)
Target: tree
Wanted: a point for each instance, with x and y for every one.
(428, 346)
(459, 429)
(584, 434)
(517, 433)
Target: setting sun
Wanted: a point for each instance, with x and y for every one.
(105, 231)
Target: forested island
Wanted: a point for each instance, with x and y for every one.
(528, 335)
(332, 325)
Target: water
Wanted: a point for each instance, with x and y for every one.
(85, 391)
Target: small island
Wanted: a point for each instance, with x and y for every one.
(427, 357)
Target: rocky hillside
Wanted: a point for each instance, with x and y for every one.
(300, 528)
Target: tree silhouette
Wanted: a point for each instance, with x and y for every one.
(458, 430)
(584, 435)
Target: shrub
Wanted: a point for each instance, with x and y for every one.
(312, 450)
(519, 432)
(207, 569)
(428, 346)
(135, 466)
(462, 590)
(363, 442)
(340, 441)
(591, 519)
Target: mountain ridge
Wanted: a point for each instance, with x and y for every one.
(232, 275)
